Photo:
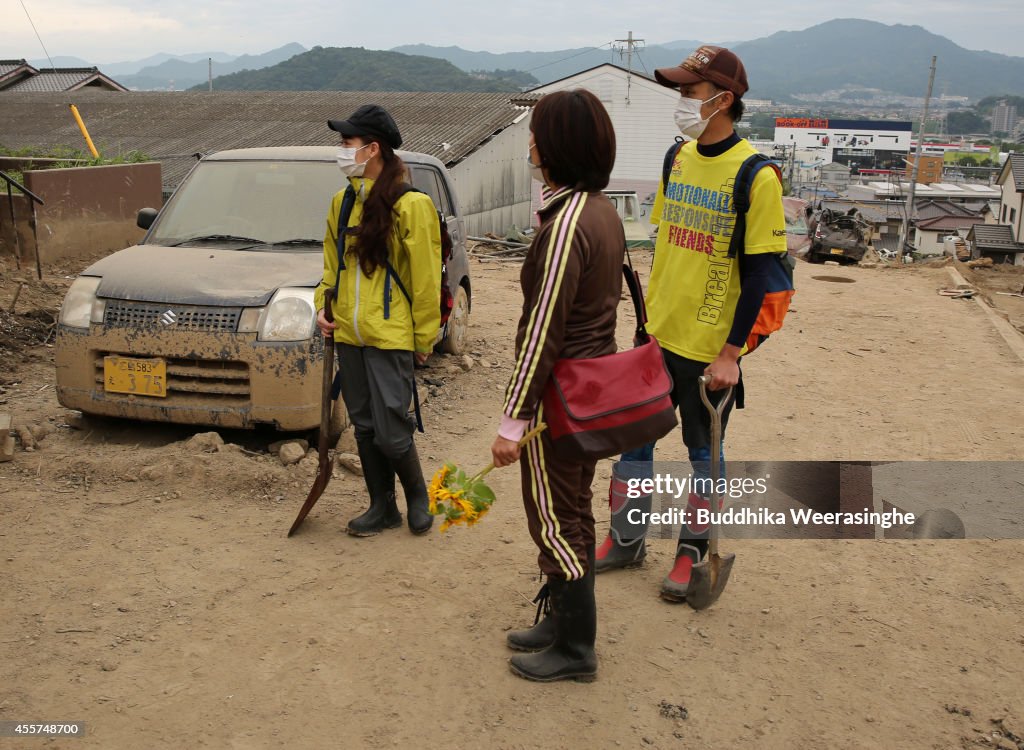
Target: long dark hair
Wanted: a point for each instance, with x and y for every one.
(371, 236)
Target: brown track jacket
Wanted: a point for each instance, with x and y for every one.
(572, 283)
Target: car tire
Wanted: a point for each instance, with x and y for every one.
(457, 328)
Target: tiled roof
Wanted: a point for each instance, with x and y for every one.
(173, 126)
(9, 66)
(997, 237)
(1015, 162)
(63, 79)
(945, 223)
(13, 70)
(931, 209)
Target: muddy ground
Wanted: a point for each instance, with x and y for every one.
(149, 589)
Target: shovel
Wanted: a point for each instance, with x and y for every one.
(323, 468)
(708, 577)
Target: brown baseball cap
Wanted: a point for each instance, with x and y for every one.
(718, 65)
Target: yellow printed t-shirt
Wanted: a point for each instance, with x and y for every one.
(694, 285)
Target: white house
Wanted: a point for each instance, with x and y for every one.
(641, 111)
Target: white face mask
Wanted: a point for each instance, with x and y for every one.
(346, 159)
(688, 118)
(536, 172)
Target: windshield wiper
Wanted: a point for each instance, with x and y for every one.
(298, 242)
(219, 238)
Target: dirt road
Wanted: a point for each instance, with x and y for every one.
(149, 589)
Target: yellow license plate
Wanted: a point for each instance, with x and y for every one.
(140, 377)
(836, 251)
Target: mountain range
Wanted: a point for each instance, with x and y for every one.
(842, 54)
(164, 71)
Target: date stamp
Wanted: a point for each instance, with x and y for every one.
(42, 728)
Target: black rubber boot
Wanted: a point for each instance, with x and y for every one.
(542, 634)
(624, 547)
(410, 474)
(571, 656)
(380, 483)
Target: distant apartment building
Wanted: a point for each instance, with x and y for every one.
(1004, 118)
(928, 172)
(859, 144)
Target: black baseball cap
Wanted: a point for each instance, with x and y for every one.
(369, 119)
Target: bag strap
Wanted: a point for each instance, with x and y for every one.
(637, 294)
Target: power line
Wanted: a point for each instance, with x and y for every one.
(555, 62)
(643, 64)
(37, 34)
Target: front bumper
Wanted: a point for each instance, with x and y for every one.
(218, 378)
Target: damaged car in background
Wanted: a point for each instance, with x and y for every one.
(210, 320)
(841, 237)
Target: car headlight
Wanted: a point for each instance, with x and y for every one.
(81, 305)
(290, 316)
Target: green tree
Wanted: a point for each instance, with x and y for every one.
(966, 121)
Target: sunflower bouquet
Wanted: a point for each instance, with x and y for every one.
(462, 498)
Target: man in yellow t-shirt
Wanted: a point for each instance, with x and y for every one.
(701, 303)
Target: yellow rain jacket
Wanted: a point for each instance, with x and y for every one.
(363, 316)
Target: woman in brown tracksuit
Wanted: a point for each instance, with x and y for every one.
(572, 281)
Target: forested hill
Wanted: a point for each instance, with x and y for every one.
(358, 69)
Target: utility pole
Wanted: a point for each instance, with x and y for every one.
(209, 73)
(626, 50)
(905, 226)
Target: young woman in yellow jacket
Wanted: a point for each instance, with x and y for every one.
(378, 332)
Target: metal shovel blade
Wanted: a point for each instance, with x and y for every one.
(708, 579)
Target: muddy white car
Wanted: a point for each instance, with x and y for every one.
(210, 319)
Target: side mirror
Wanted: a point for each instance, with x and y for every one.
(146, 218)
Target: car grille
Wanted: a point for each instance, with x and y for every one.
(195, 381)
(125, 314)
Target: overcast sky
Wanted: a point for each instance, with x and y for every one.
(105, 31)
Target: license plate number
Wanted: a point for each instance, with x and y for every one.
(836, 251)
(140, 377)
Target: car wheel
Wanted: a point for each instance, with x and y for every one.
(456, 332)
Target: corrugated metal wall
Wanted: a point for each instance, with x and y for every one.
(644, 126)
(494, 182)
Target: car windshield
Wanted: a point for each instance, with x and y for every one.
(247, 204)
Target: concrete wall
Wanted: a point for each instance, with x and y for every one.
(89, 210)
(11, 244)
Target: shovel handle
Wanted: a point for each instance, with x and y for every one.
(715, 412)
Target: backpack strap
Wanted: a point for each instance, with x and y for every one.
(389, 270)
(670, 158)
(344, 214)
(741, 197)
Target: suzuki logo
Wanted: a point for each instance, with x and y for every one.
(169, 318)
